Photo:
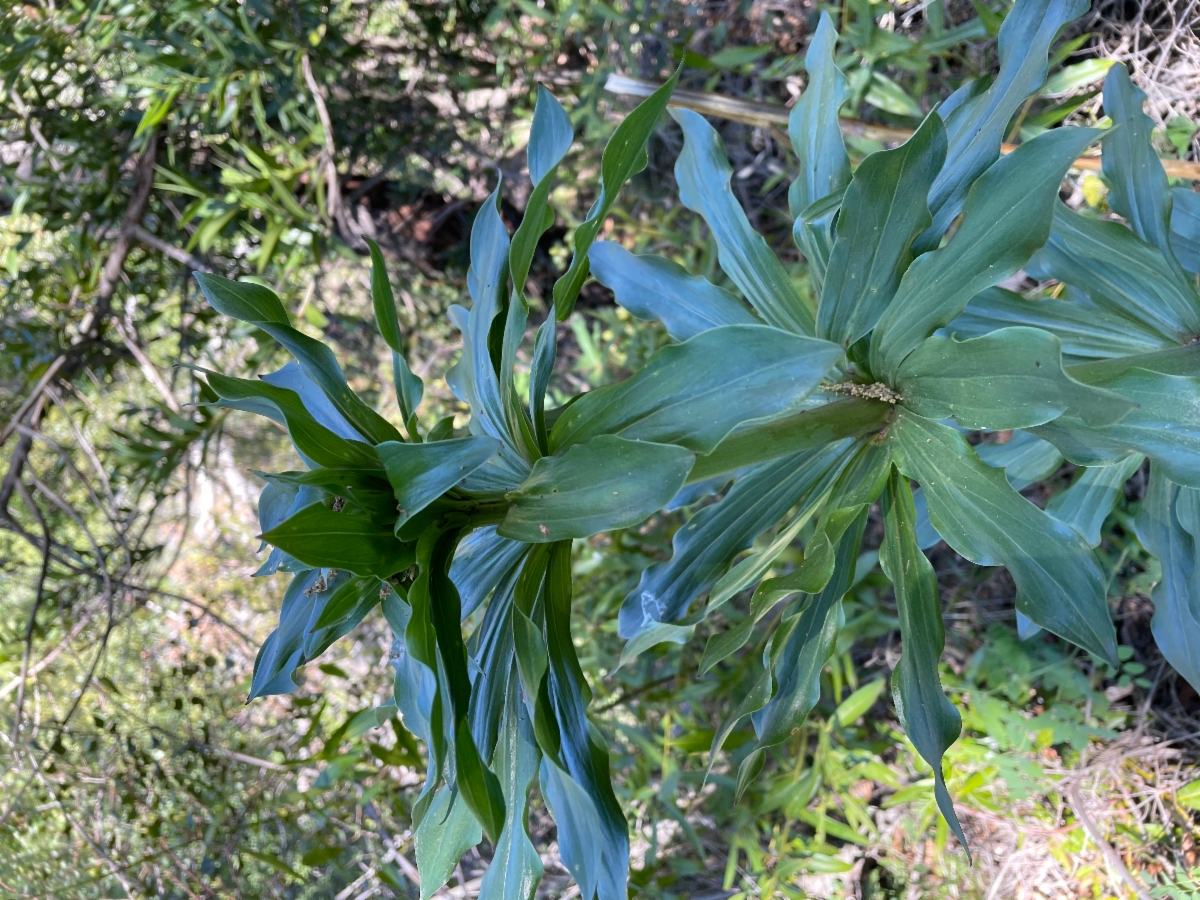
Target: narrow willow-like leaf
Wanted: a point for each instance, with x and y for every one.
(1168, 524)
(1086, 330)
(695, 393)
(929, 718)
(654, 288)
(318, 536)
(421, 473)
(704, 174)
(259, 306)
(624, 155)
(1122, 274)
(977, 512)
(607, 483)
(978, 125)
(883, 210)
(384, 301)
(1164, 426)
(1138, 187)
(1006, 218)
(1011, 378)
(1092, 496)
(702, 548)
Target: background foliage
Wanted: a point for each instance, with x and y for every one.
(141, 141)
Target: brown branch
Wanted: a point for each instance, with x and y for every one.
(333, 200)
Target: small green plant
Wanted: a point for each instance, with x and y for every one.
(476, 525)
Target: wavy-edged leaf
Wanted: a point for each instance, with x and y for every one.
(1092, 496)
(1007, 217)
(482, 560)
(580, 837)
(695, 393)
(259, 306)
(421, 473)
(624, 155)
(976, 128)
(1086, 330)
(1138, 188)
(703, 547)
(609, 482)
(1165, 426)
(445, 833)
(1120, 273)
(1168, 524)
(883, 210)
(283, 650)
(704, 174)
(977, 512)
(1011, 378)
(1185, 228)
(318, 536)
(1025, 458)
(929, 718)
(654, 288)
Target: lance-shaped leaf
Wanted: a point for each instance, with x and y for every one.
(1185, 228)
(1092, 496)
(978, 125)
(806, 430)
(1011, 378)
(1007, 216)
(409, 388)
(283, 650)
(977, 512)
(609, 482)
(695, 393)
(421, 473)
(929, 718)
(445, 833)
(550, 137)
(1165, 426)
(545, 350)
(482, 560)
(1085, 330)
(516, 868)
(704, 174)
(1138, 187)
(817, 139)
(318, 536)
(259, 306)
(703, 547)
(654, 288)
(624, 155)
(292, 377)
(1120, 272)
(883, 209)
(583, 750)
(579, 829)
(1168, 524)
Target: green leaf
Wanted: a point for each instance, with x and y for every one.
(282, 653)
(1168, 524)
(421, 473)
(1006, 218)
(446, 832)
(814, 127)
(609, 482)
(318, 536)
(1185, 228)
(704, 174)
(1092, 496)
(695, 393)
(809, 429)
(654, 288)
(545, 351)
(1025, 459)
(259, 306)
(1165, 426)
(1071, 78)
(409, 390)
(929, 718)
(857, 704)
(624, 155)
(315, 443)
(345, 601)
(579, 830)
(1011, 378)
(1138, 188)
(1084, 329)
(978, 125)
(884, 208)
(384, 301)
(888, 96)
(703, 547)
(479, 785)
(1122, 274)
(977, 512)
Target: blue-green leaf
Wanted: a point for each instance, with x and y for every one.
(703, 173)
(1185, 228)
(1092, 496)
(482, 560)
(695, 393)
(446, 832)
(1025, 458)
(421, 473)
(813, 124)
(580, 838)
(283, 650)
(318, 536)
(654, 288)
(1006, 218)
